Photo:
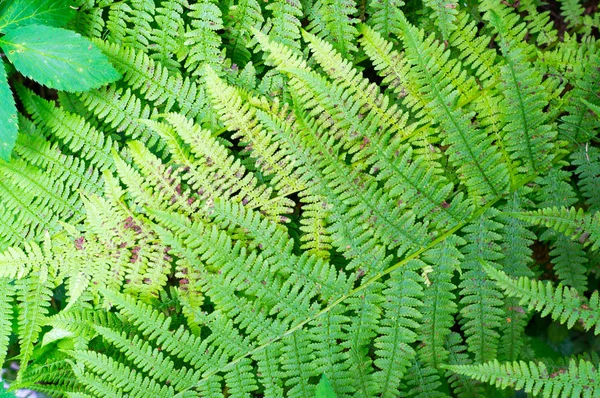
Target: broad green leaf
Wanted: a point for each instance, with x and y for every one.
(8, 116)
(6, 394)
(325, 389)
(58, 58)
(17, 13)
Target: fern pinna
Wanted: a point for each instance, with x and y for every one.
(396, 198)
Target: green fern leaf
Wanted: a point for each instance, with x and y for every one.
(573, 223)
(580, 378)
(561, 302)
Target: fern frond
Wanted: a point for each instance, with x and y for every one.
(330, 357)
(471, 151)
(473, 47)
(149, 359)
(462, 386)
(212, 172)
(241, 17)
(296, 357)
(155, 185)
(122, 111)
(398, 328)
(32, 147)
(422, 381)
(129, 23)
(202, 38)
(393, 67)
(539, 24)
(439, 307)
(384, 16)
(587, 160)
(239, 117)
(314, 274)
(527, 135)
(315, 209)
(360, 331)
(444, 15)
(33, 294)
(118, 376)
(154, 81)
(563, 303)
(74, 132)
(572, 11)
(7, 292)
(517, 254)
(51, 193)
(335, 19)
(155, 326)
(579, 379)
(167, 39)
(50, 377)
(284, 23)
(482, 311)
(573, 223)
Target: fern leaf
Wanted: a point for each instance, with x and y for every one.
(167, 42)
(471, 151)
(360, 331)
(335, 19)
(572, 11)
(122, 110)
(379, 148)
(268, 364)
(33, 294)
(155, 326)
(330, 357)
(239, 20)
(212, 172)
(296, 358)
(121, 378)
(240, 118)
(573, 223)
(462, 386)
(587, 160)
(285, 22)
(527, 134)
(580, 378)
(78, 135)
(239, 379)
(72, 171)
(439, 307)
(561, 302)
(202, 38)
(155, 82)
(130, 23)
(7, 292)
(148, 359)
(422, 381)
(444, 15)
(397, 328)
(517, 253)
(384, 16)
(539, 24)
(482, 313)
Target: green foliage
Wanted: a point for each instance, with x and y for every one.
(37, 46)
(302, 199)
(324, 389)
(578, 379)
